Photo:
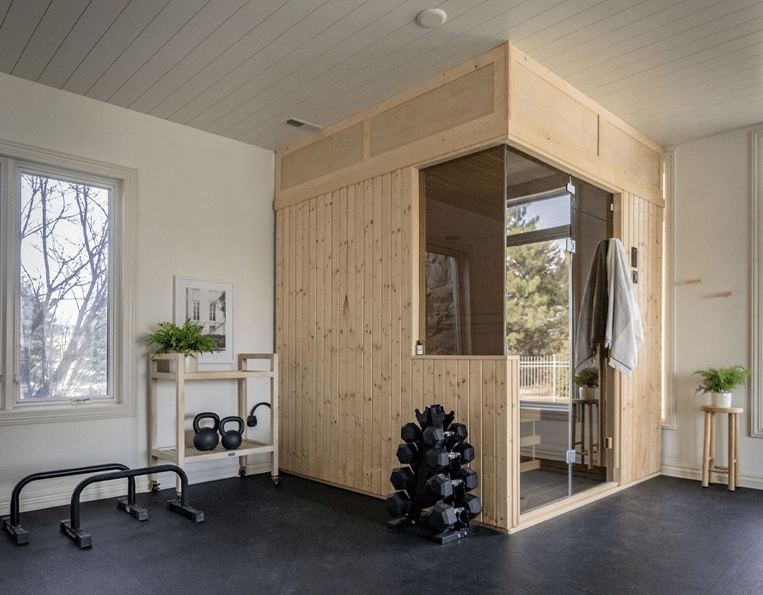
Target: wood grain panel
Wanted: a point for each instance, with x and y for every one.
(330, 153)
(457, 102)
(345, 331)
(345, 294)
(556, 122)
(475, 388)
(464, 108)
(628, 154)
(551, 113)
(639, 224)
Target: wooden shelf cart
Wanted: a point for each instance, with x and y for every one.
(180, 453)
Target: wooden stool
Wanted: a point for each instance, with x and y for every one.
(586, 406)
(708, 447)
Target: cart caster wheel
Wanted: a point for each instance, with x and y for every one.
(242, 472)
(154, 487)
(277, 482)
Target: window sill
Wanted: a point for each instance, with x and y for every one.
(40, 414)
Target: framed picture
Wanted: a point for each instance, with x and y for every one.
(211, 304)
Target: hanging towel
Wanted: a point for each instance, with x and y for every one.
(624, 334)
(592, 322)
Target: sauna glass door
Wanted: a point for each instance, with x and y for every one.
(539, 256)
(561, 449)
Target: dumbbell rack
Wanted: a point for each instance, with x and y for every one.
(170, 366)
(436, 451)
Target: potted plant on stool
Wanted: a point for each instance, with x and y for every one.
(187, 340)
(588, 380)
(719, 382)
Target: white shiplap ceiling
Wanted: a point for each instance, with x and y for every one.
(675, 69)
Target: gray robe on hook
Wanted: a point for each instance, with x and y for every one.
(592, 322)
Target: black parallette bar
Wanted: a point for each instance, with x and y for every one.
(12, 523)
(72, 527)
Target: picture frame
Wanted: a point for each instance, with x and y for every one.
(209, 303)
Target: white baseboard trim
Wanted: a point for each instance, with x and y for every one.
(754, 482)
(50, 497)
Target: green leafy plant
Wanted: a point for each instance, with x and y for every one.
(587, 377)
(186, 339)
(721, 380)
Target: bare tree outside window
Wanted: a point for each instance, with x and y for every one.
(64, 289)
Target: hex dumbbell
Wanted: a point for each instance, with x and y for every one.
(410, 432)
(406, 453)
(443, 516)
(402, 478)
(443, 486)
(397, 504)
(462, 453)
(435, 434)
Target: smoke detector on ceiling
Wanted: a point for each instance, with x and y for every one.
(431, 18)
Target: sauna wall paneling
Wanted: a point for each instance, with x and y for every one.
(344, 290)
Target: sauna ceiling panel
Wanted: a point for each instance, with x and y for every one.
(674, 69)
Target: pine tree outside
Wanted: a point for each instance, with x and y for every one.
(537, 298)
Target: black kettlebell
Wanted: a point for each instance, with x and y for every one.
(231, 439)
(205, 438)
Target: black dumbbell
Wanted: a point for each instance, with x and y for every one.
(437, 458)
(443, 486)
(433, 415)
(410, 432)
(406, 453)
(397, 504)
(434, 434)
(443, 516)
(402, 478)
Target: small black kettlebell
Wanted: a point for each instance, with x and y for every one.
(231, 439)
(205, 438)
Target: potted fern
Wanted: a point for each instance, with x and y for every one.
(588, 380)
(719, 383)
(186, 339)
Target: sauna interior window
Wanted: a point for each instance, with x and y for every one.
(498, 278)
(464, 204)
(463, 211)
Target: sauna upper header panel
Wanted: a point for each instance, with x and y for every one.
(502, 96)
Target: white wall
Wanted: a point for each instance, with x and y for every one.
(204, 211)
(712, 242)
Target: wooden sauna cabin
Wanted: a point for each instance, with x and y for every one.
(351, 247)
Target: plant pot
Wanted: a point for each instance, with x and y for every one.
(191, 364)
(587, 392)
(721, 399)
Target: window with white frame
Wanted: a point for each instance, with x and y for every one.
(66, 273)
(756, 274)
(668, 394)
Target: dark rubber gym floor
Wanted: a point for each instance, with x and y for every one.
(664, 536)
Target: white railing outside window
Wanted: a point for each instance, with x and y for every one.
(544, 378)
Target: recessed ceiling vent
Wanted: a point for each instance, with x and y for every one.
(297, 123)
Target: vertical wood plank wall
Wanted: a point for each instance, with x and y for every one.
(483, 393)
(344, 318)
(639, 224)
